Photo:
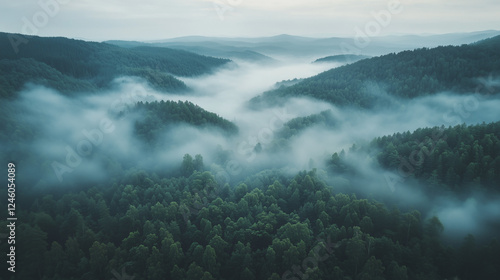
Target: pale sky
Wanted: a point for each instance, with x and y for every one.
(100, 20)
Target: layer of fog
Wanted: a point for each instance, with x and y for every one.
(71, 147)
(62, 121)
(227, 91)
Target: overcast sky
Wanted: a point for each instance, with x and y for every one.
(160, 19)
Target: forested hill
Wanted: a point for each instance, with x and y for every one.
(452, 158)
(408, 74)
(74, 65)
(159, 116)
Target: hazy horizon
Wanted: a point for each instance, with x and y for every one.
(158, 20)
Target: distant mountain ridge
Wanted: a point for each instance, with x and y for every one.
(474, 36)
(308, 47)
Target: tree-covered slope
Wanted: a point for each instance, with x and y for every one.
(96, 63)
(156, 117)
(406, 75)
(461, 155)
(14, 74)
(452, 158)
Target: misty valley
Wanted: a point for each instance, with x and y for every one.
(252, 158)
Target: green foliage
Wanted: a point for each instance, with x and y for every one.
(448, 158)
(14, 74)
(179, 228)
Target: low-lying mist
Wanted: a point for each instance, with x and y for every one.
(91, 138)
(73, 136)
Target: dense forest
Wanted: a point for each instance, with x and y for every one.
(15, 73)
(267, 227)
(73, 65)
(406, 75)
